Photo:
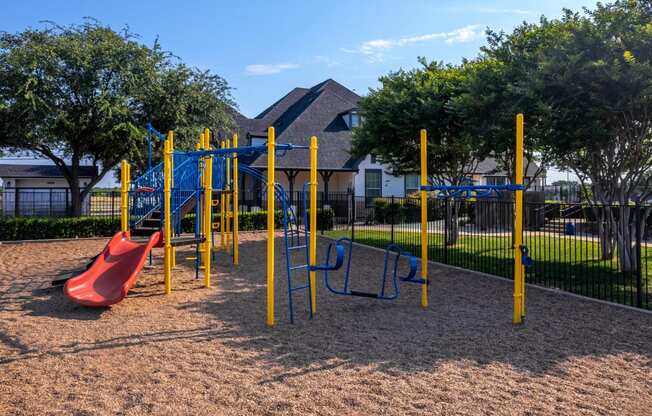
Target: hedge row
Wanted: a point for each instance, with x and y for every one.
(37, 228)
(40, 228)
(252, 221)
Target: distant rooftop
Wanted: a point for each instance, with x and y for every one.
(42, 171)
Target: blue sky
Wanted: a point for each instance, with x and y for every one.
(266, 48)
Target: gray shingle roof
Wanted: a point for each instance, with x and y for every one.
(301, 114)
(42, 171)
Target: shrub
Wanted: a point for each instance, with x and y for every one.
(38, 228)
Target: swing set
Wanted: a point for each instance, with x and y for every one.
(343, 247)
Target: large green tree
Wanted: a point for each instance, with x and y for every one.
(407, 102)
(84, 92)
(594, 78)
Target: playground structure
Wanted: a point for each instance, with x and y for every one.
(154, 205)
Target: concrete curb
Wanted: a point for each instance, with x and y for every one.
(528, 285)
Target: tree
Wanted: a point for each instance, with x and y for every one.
(84, 92)
(495, 91)
(591, 74)
(595, 81)
(407, 102)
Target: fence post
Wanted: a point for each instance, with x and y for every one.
(352, 216)
(446, 230)
(639, 271)
(50, 205)
(319, 224)
(392, 218)
(16, 202)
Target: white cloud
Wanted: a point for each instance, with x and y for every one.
(375, 49)
(268, 69)
(326, 61)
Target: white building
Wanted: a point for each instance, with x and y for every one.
(39, 190)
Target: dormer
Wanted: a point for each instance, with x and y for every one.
(257, 139)
(351, 118)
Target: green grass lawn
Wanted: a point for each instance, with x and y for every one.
(567, 263)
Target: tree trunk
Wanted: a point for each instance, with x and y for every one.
(452, 218)
(606, 228)
(75, 192)
(626, 237)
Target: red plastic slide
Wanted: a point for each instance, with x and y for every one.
(114, 272)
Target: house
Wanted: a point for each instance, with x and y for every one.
(329, 111)
(39, 190)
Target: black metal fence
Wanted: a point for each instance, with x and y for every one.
(56, 202)
(600, 252)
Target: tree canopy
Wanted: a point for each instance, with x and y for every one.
(84, 92)
(409, 101)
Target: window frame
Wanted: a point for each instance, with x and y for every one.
(379, 172)
(408, 190)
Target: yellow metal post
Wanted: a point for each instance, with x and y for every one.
(313, 222)
(519, 281)
(424, 219)
(208, 207)
(271, 166)
(168, 149)
(236, 204)
(228, 199)
(124, 195)
(222, 210)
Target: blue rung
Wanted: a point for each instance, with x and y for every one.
(297, 247)
(302, 266)
(293, 289)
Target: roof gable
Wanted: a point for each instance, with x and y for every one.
(303, 113)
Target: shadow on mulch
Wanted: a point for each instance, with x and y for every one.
(469, 318)
(51, 301)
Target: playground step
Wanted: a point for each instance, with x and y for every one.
(151, 222)
(144, 231)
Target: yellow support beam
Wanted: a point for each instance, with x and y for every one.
(125, 176)
(222, 213)
(313, 222)
(228, 200)
(271, 166)
(236, 204)
(519, 272)
(424, 219)
(208, 210)
(168, 150)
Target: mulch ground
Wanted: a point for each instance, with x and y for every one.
(207, 351)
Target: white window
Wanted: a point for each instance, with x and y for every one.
(373, 184)
(496, 180)
(354, 119)
(411, 184)
(258, 141)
